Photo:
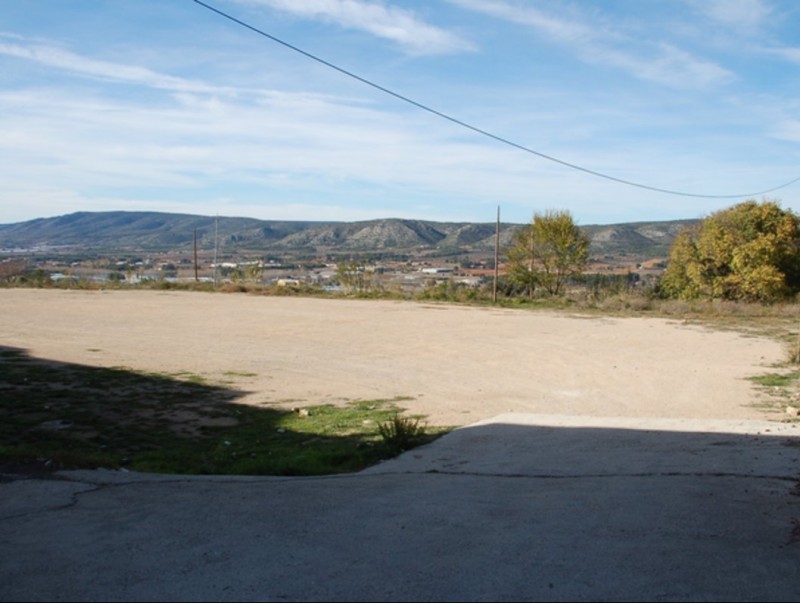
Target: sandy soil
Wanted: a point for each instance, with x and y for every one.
(457, 365)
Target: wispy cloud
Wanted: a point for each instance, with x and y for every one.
(788, 129)
(605, 44)
(399, 25)
(277, 152)
(134, 126)
(287, 140)
(59, 58)
(788, 53)
(743, 15)
(747, 24)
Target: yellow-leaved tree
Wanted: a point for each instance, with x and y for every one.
(546, 252)
(749, 252)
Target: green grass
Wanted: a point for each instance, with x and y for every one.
(781, 393)
(240, 374)
(777, 379)
(73, 416)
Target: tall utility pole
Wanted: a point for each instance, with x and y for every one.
(216, 244)
(496, 256)
(531, 259)
(196, 277)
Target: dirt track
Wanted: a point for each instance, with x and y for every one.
(456, 365)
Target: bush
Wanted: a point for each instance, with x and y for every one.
(749, 252)
(450, 291)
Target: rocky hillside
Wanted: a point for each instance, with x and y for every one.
(151, 231)
(651, 239)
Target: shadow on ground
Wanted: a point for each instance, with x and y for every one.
(523, 508)
(56, 415)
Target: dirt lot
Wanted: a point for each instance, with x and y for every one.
(456, 365)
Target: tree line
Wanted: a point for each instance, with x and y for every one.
(748, 252)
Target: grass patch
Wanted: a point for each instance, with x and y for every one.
(240, 374)
(187, 376)
(782, 393)
(777, 379)
(74, 416)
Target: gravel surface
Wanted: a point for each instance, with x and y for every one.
(456, 365)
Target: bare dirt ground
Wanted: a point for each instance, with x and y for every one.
(455, 365)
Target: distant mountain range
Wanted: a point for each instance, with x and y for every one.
(152, 231)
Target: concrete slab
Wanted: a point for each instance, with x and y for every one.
(521, 507)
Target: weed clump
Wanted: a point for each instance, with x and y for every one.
(793, 351)
(401, 433)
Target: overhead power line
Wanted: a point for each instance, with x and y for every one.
(481, 131)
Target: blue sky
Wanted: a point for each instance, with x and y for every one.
(164, 105)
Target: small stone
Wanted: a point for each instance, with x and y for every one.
(792, 411)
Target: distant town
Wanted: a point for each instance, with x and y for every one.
(395, 255)
(402, 274)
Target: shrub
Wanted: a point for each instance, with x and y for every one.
(748, 252)
(401, 433)
(793, 351)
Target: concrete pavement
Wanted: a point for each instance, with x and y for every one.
(520, 507)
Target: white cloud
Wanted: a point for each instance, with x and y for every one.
(743, 15)
(560, 29)
(59, 58)
(597, 41)
(319, 152)
(296, 140)
(667, 64)
(788, 53)
(788, 130)
(389, 22)
(188, 144)
(744, 25)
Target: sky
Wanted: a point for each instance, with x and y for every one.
(458, 107)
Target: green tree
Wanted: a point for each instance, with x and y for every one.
(546, 252)
(521, 260)
(750, 252)
(353, 276)
(254, 271)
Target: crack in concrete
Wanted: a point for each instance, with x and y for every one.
(95, 486)
(73, 501)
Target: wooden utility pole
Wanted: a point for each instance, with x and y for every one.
(531, 261)
(196, 276)
(496, 256)
(216, 245)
